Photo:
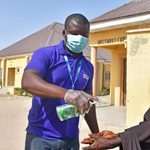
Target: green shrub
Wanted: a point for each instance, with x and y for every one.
(18, 91)
(105, 91)
(21, 92)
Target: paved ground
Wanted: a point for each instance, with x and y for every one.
(13, 120)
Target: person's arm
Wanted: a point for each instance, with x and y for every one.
(34, 84)
(101, 143)
(141, 132)
(91, 119)
(130, 139)
(32, 80)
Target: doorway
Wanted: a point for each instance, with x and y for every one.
(11, 77)
(124, 80)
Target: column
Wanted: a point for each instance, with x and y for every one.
(3, 72)
(26, 59)
(94, 62)
(115, 79)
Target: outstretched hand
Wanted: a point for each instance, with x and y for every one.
(108, 134)
(105, 134)
(100, 141)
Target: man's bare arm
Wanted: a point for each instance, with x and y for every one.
(91, 118)
(34, 84)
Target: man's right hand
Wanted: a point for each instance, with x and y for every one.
(79, 99)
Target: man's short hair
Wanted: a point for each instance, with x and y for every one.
(79, 18)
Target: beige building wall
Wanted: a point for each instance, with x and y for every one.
(18, 64)
(0, 68)
(107, 67)
(98, 38)
(3, 67)
(103, 76)
(117, 75)
(114, 41)
(138, 75)
(12, 70)
(100, 69)
(0, 75)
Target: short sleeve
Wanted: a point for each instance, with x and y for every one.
(38, 62)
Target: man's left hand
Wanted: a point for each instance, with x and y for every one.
(100, 143)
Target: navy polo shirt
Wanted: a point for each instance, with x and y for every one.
(49, 62)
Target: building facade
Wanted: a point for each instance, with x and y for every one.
(125, 32)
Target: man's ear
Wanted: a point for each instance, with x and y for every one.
(63, 32)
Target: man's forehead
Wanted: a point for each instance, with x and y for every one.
(77, 27)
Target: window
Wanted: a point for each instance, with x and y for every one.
(17, 70)
(107, 76)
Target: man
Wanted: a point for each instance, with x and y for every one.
(134, 138)
(57, 75)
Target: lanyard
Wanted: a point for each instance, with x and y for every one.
(70, 72)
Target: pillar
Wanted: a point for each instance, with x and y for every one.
(115, 79)
(3, 72)
(94, 62)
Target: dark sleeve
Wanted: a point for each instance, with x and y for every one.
(129, 141)
(136, 135)
(142, 131)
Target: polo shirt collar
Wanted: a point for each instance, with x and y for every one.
(62, 50)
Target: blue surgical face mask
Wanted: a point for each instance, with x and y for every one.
(76, 43)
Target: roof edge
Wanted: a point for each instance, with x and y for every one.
(119, 22)
(52, 25)
(94, 21)
(16, 56)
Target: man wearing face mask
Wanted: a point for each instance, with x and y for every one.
(57, 75)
